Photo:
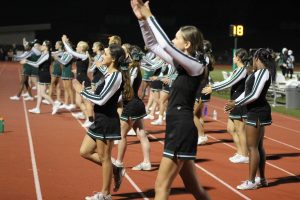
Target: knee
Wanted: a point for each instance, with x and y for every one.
(84, 153)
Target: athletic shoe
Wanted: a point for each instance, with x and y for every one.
(142, 167)
(118, 173)
(157, 122)
(234, 157)
(71, 107)
(45, 101)
(28, 98)
(240, 159)
(35, 110)
(87, 124)
(247, 185)
(149, 117)
(261, 182)
(78, 115)
(15, 98)
(25, 94)
(55, 109)
(202, 139)
(58, 103)
(99, 196)
(63, 106)
(130, 132)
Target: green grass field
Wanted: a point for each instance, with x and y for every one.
(216, 75)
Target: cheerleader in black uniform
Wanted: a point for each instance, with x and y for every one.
(43, 65)
(258, 115)
(132, 117)
(181, 134)
(98, 142)
(235, 123)
(82, 64)
(200, 97)
(56, 72)
(98, 49)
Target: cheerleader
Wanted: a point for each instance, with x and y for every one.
(258, 115)
(181, 134)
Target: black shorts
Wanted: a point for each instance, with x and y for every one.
(181, 136)
(156, 85)
(44, 77)
(238, 113)
(134, 110)
(105, 127)
(166, 88)
(259, 115)
(85, 78)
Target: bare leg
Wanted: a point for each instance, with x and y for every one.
(167, 172)
(189, 177)
(261, 150)
(197, 115)
(241, 134)
(232, 130)
(104, 151)
(122, 145)
(88, 150)
(145, 144)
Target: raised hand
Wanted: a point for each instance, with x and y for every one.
(141, 10)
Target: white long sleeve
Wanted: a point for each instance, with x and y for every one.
(44, 57)
(74, 53)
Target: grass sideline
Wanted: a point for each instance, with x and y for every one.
(216, 75)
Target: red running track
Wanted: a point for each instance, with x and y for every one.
(39, 156)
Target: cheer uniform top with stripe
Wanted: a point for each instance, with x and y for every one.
(237, 83)
(56, 68)
(146, 63)
(43, 66)
(181, 132)
(169, 72)
(135, 108)
(254, 98)
(96, 72)
(82, 64)
(32, 55)
(204, 82)
(105, 98)
(66, 60)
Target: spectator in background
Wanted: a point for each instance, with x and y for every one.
(10, 54)
(2, 54)
(282, 62)
(290, 64)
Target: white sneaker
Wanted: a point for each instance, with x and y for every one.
(157, 122)
(15, 98)
(25, 94)
(45, 101)
(99, 196)
(142, 167)
(247, 185)
(87, 124)
(35, 110)
(202, 139)
(63, 106)
(130, 132)
(58, 103)
(240, 159)
(55, 109)
(79, 115)
(234, 157)
(261, 182)
(71, 107)
(149, 117)
(28, 98)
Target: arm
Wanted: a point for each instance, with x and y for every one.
(65, 58)
(260, 79)
(94, 66)
(133, 75)
(237, 75)
(112, 84)
(43, 58)
(192, 66)
(74, 53)
(36, 51)
(24, 55)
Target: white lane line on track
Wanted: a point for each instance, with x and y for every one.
(213, 176)
(126, 175)
(32, 155)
